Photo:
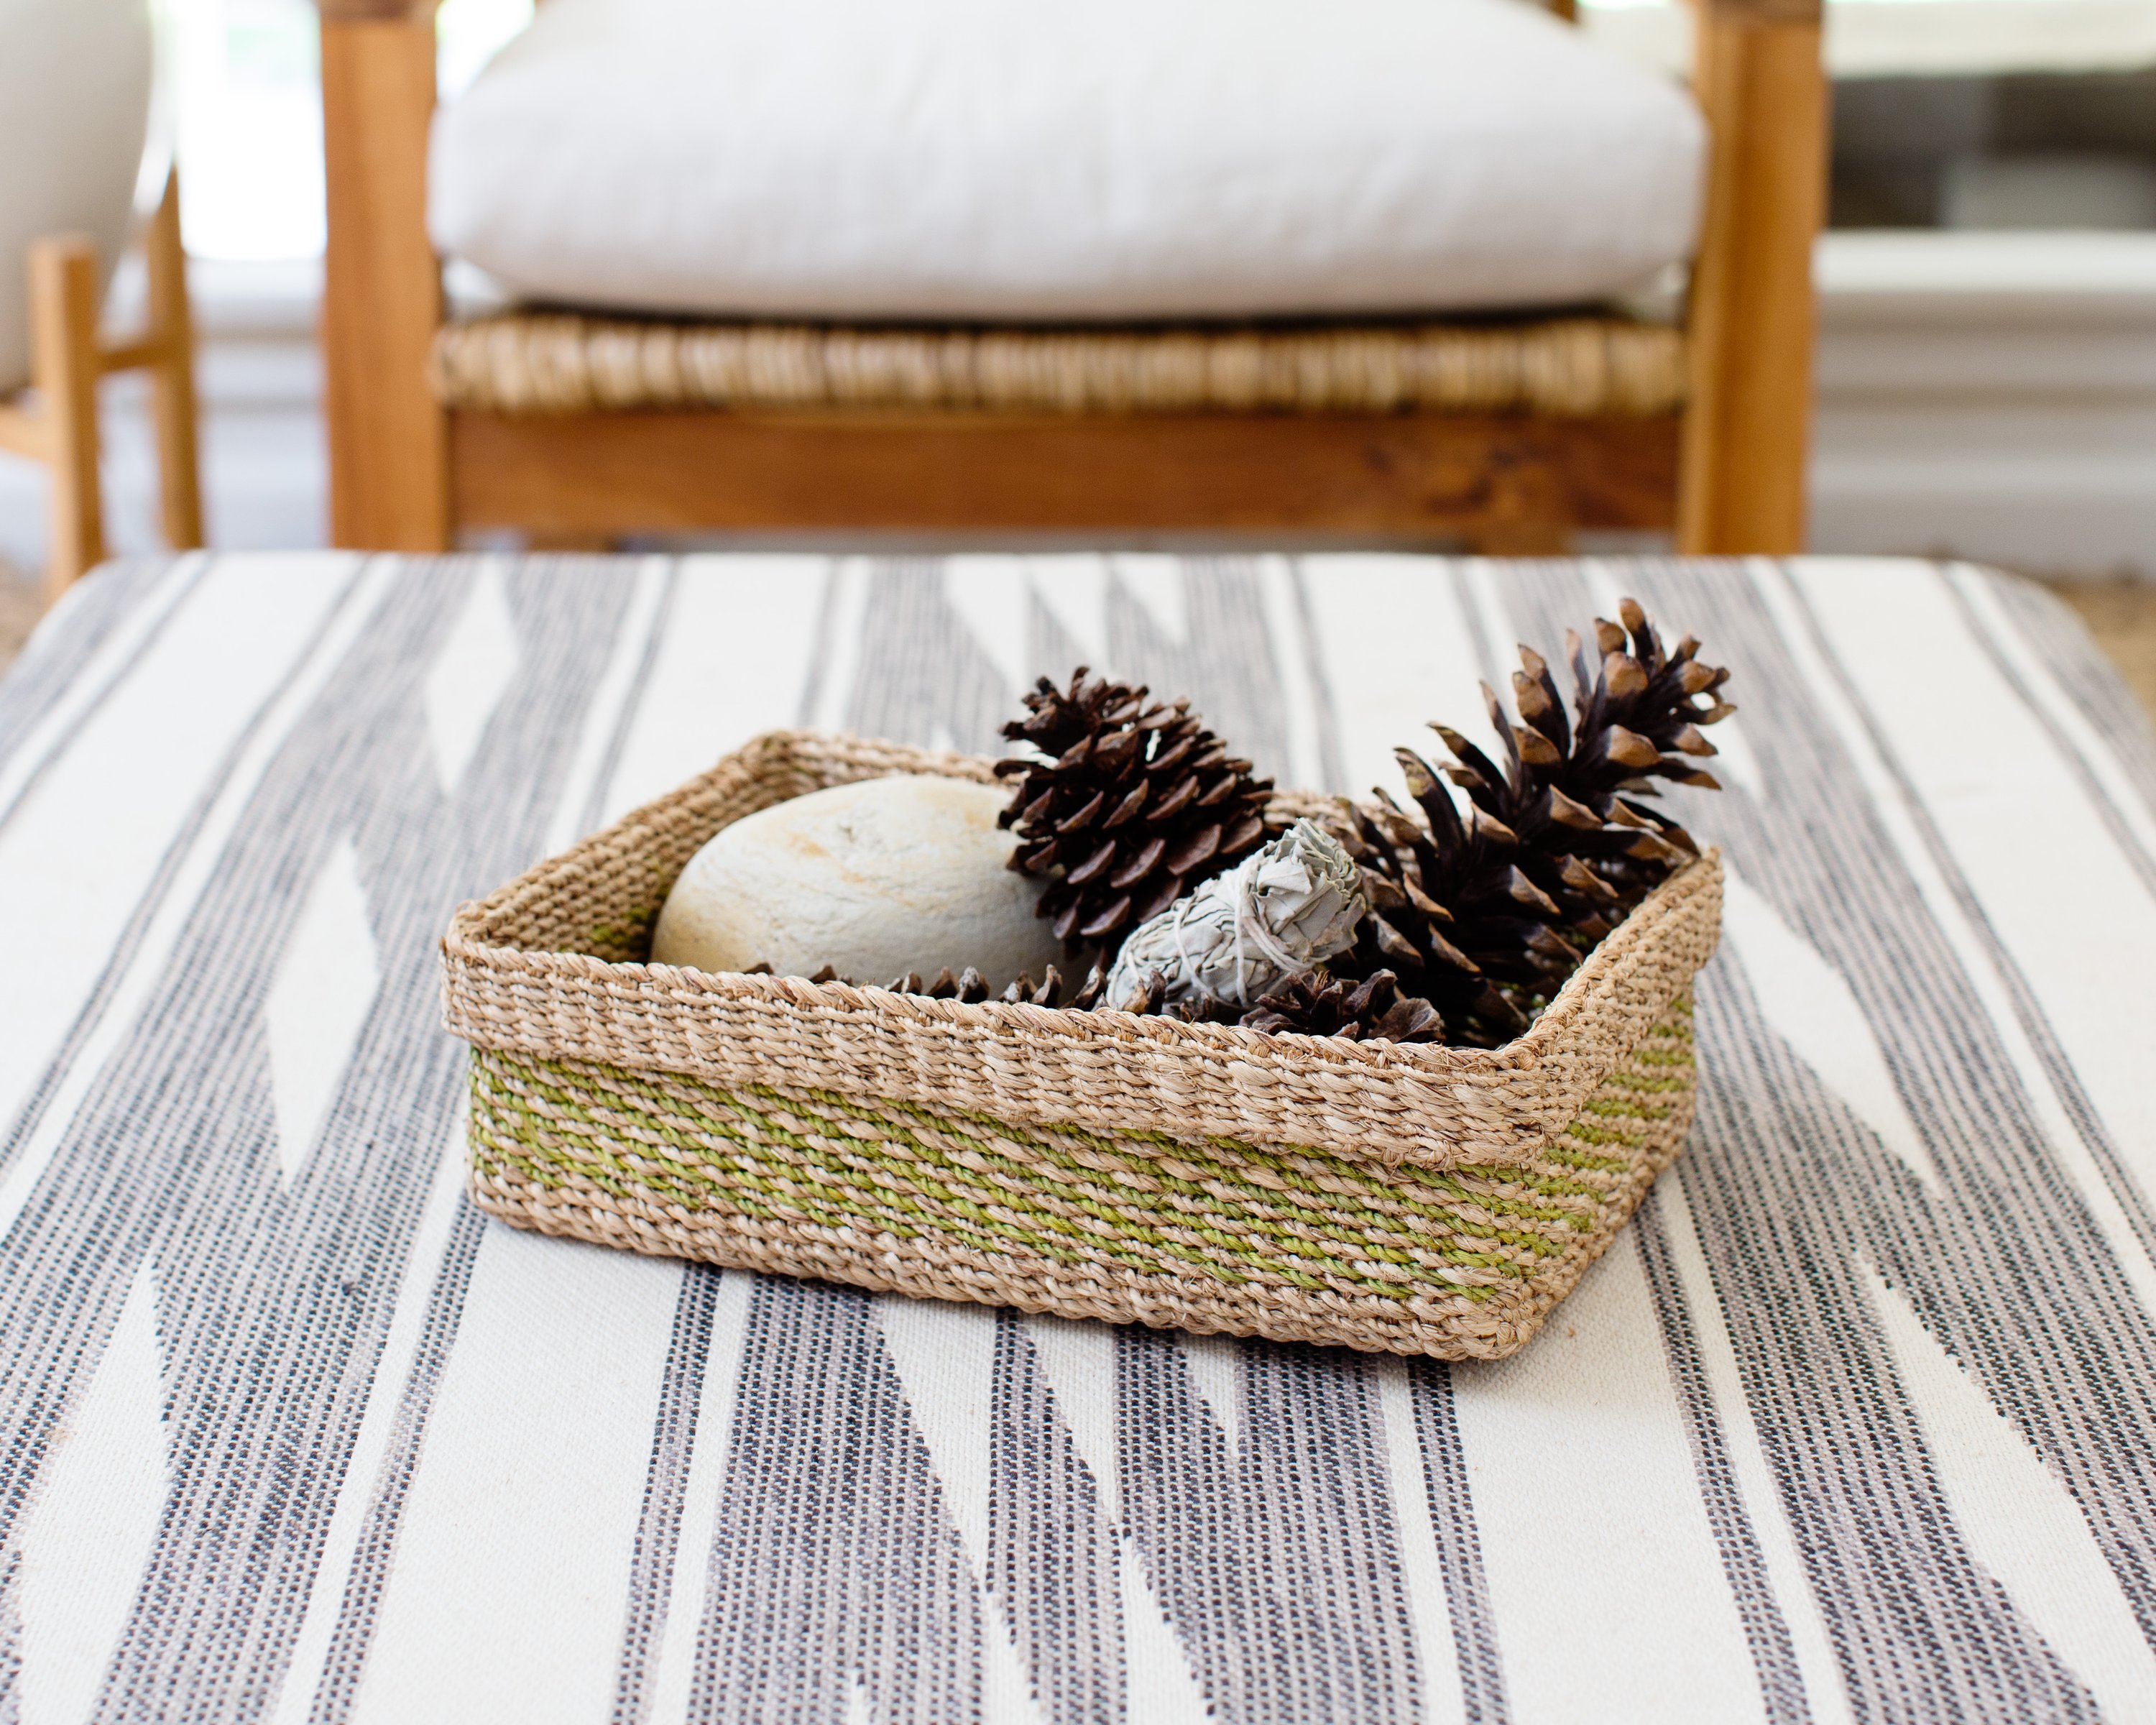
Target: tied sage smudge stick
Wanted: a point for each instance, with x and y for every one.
(1281, 913)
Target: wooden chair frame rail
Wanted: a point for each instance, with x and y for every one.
(1728, 474)
(67, 358)
(1501, 482)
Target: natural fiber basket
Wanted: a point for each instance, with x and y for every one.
(1407, 1198)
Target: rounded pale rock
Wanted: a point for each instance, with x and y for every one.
(874, 879)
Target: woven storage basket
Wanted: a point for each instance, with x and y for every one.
(1396, 1198)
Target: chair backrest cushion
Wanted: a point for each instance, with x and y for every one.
(1113, 160)
(75, 104)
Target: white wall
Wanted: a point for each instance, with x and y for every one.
(1992, 394)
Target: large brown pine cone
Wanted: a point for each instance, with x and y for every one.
(1577, 795)
(1133, 804)
(1456, 917)
(1487, 914)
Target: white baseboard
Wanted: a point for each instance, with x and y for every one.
(1990, 396)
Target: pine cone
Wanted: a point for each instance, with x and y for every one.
(1454, 916)
(1090, 991)
(1135, 805)
(1023, 993)
(1371, 1010)
(1487, 915)
(1573, 794)
(968, 988)
(1153, 997)
(971, 987)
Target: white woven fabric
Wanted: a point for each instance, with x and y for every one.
(1852, 1423)
(956, 159)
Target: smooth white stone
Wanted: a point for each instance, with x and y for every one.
(875, 879)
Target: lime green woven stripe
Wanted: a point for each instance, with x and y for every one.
(850, 1192)
(1298, 1172)
(830, 1162)
(1348, 1221)
(906, 1125)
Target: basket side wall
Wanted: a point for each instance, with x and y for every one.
(1463, 1263)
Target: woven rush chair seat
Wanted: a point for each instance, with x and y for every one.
(559, 363)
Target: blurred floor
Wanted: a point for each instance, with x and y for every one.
(2121, 614)
(18, 611)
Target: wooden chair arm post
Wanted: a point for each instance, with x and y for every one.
(65, 367)
(1758, 78)
(382, 299)
(172, 339)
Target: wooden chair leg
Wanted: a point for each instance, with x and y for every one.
(65, 366)
(381, 298)
(171, 334)
(1747, 427)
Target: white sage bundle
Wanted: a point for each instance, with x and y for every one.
(1281, 911)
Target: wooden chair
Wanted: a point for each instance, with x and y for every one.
(427, 440)
(61, 427)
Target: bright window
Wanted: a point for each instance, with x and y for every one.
(247, 99)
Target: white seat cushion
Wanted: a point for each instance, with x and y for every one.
(1113, 159)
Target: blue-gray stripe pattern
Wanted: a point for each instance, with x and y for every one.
(1098, 1525)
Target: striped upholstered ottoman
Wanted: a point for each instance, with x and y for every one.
(1853, 1421)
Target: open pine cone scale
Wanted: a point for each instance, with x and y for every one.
(1128, 806)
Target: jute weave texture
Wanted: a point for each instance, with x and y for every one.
(551, 362)
(1460, 1263)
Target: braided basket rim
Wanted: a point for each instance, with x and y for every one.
(1415, 1104)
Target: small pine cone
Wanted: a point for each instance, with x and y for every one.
(1371, 1010)
(1200, 1012)
(1133, 804)
(1152, 998)
(1090, 991)
(1023, 993)
(1151, 995)
(969, 988)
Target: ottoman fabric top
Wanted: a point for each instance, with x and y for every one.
(1854, 1421)
(965, 159)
